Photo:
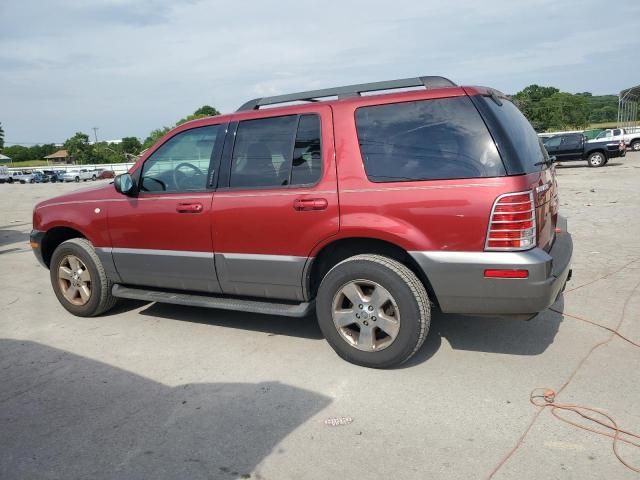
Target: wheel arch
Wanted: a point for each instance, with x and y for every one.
(340, 249)
(54, 237)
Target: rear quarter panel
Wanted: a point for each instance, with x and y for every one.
(448, 215)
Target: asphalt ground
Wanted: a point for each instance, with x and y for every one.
(161, 391)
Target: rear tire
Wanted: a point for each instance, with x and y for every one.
(88, 293)
(77, 179)
(94, 178)
(388, 319)
(635, 145)
(596, 159)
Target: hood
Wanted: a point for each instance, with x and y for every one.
(100, 192)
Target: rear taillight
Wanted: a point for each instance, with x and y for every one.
(512, 225)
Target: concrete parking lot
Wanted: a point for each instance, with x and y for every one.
(160, 391)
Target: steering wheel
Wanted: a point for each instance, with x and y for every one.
(179, 177)
(147, 179)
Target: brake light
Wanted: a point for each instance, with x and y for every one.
(512, 225)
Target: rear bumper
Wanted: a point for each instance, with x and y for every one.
(459, 284)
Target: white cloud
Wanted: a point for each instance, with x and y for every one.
(130, 66)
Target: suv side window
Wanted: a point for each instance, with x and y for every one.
(426, 140)
(181, 164)
(276, 152)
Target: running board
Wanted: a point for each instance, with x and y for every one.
(209, 301)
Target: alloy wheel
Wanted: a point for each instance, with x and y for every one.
(74, 280)
(366, 315)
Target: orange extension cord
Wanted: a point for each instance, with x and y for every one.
(546, 397)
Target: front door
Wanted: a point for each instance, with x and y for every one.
(162, 237)
(277, 199)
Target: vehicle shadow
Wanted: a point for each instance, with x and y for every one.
(463, 332)
(306, 327)
(8, 236)
(585, 165)
(67, 416)
(492, 335)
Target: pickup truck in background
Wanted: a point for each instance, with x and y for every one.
(76, 175)
(571, 147)
(630, 137)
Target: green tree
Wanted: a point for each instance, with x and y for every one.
(79, 148)
(202, 112)
(18, 153)
(1, 136)
(207, 110)
(154, 136)
(131, 145)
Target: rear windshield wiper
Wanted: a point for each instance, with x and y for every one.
(547, 162)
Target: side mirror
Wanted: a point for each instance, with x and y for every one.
(124, 184)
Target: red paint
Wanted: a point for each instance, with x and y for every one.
(493, 273)
(422, 215)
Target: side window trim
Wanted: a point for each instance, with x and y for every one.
(227, 153)
(216, 153)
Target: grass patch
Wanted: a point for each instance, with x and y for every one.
(26, 164)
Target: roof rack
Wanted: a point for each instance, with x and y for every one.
(349, 91)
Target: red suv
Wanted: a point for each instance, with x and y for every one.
(372, 209)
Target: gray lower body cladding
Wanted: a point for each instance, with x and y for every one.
(459, 284)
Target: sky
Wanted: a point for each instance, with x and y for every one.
(129, 66)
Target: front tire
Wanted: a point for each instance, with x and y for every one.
(79, 280)
(596, 159)
(373, 311)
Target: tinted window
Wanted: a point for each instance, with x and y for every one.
(572, 141)
(276, 151)
(306, 166)
(182, 163)
(521, 133)
(426, 140)
(553, 142)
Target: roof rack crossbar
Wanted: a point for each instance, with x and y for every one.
(349, 91)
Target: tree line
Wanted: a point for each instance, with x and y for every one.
(85, 152)
(548, 109)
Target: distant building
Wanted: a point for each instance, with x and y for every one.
(60, 157)
(4, 158)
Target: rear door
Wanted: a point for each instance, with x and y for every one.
(572, 146)
(276, 199)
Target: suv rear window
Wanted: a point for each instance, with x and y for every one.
(426, 140)
(530, 148)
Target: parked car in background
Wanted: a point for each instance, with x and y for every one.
(54, 175)
(19, 177)
(4, 174)
(105, 174)
(630, 137)
(571, 147)
(368, 208)
(76, 175)
(39, 177)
